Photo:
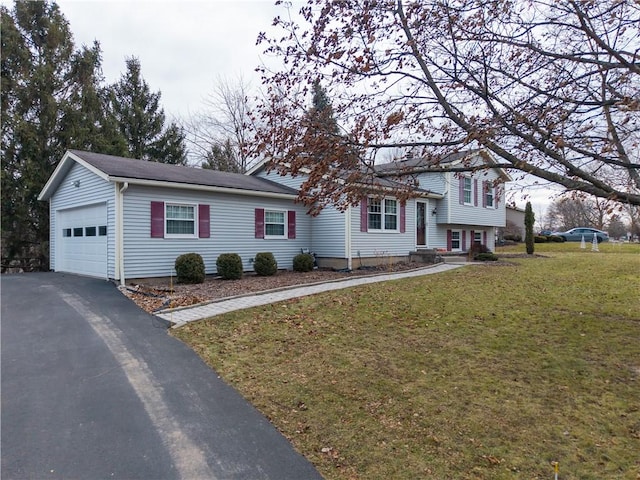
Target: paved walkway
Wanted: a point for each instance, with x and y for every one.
(189, 314)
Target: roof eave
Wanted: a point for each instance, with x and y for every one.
(61, 171)
(206, 188)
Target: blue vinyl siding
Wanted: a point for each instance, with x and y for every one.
(328, 233)
(232, 219)
(383, 244)
(91, 190)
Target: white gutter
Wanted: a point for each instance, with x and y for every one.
(206, 188)
(347, 237)
(120, 189)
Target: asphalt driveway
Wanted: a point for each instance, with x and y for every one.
(95, 388)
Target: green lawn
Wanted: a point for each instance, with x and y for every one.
(485, 372)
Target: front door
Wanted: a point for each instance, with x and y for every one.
(421, 224)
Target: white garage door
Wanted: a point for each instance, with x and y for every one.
(82, 240)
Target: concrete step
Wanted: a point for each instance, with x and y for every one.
(455, 258)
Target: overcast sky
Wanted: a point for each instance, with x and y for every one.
(184, 46)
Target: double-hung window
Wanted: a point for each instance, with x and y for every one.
(467, 190)
(180, 220)
(275, 224)
(489, 196)
(382, 214)
(455, 240)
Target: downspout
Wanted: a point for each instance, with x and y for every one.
(347, 237)
(120, 232)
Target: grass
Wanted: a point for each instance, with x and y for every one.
(485, 372)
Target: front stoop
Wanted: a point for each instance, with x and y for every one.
(433, 256)
(426, 256)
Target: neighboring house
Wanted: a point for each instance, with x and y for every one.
(514, 227)
(120, 218)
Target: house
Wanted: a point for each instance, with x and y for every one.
(450, 212)
(514, 228)
(120, 218)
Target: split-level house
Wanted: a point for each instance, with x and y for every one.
(120, 218)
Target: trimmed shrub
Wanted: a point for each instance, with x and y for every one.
(556, 238)
(303, 262)
(540, 239)
(486, 257)
(265, 264)
(514, 237)
(190, 268)
(477, 248)
(229, 266)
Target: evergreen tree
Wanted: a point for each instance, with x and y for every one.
(170, 147)
(222, 157)
(321, 115)
(529, 220)
(141, 119)
(49, 104)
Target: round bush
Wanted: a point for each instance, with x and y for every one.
(303, 262)
(540, 239)
(265, 264)
(190, 268)
(486, 257)
(229, 266)
(556, 238)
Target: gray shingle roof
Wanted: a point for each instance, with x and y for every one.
(142, 170)
(405, 165)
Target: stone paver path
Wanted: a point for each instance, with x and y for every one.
(189, 314)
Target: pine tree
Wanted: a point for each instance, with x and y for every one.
(222, 157)
(529, 220)
(141, 119)
(321, 115)
(48, 99)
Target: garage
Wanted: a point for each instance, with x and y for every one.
(82, 240)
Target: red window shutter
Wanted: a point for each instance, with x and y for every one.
(464, 239)
(259, 223)
(472, 240)
(291, 224)
(448, 240)
(497, 194)
(475, 192)
(484, 237)
(157, 219)
(485, 189)
(363, 215)
(403, 217)
(461, 190)
(204, 221)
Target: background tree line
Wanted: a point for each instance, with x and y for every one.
(55, 98)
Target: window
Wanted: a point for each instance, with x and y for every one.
(274, 224)
(180, 220)
(375, 214)
(382, 214)
(467, 190)
(477, 237)
(66, 232)
(77, 231)
(90, 231)
(488, 195)
(455, 240)
(102, 230)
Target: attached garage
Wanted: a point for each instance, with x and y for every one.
(82, 240)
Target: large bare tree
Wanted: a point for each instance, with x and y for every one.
(223, 123)
(549, 88)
